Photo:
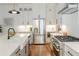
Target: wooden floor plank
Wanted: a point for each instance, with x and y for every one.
(40, 50)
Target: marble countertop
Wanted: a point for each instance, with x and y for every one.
(7, 47)
(73, 45)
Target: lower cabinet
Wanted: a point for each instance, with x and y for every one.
(24, 51)
(16, 53)
(30, 42)
(69, 52)
(21, 52)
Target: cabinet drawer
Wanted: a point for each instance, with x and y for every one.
(16, 52)
(70, 52)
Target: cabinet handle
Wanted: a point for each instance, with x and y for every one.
(19, 54)
(25, 49)
(70, 53)
(17, 51)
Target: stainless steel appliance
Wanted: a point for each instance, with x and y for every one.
(69, 8)
(39, 31)
(58, 43)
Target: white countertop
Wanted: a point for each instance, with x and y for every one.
(73, 45)
(7, 47)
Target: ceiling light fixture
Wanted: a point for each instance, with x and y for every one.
(13, 11)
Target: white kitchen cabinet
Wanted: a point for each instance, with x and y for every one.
(39, 10)
(1, 21)
(16, 52)
(27, 47)
(50, 14)
(25, 18)
(69, 52)
(30, 39)
(26, 15)
(51, 46)
(24, 51)
(21, 51)
(6, 18)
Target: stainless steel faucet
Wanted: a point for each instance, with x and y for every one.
(9, 34)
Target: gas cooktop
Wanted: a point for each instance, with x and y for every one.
(67, 39)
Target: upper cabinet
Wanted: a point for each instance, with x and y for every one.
(25, 16)
(29, 12)
(39, 9)
(50, 14)
(1, 21)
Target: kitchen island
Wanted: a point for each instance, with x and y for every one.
(10, 46)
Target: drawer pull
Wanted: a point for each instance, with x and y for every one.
(70, 53)
(17, 51)
(19, 54)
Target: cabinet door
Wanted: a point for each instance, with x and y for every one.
(50, 14)
(20, 19)
(39, 9)
(26, 50)
(23, 51)
(69, 52)
(1, 21)
(25, 17)
(16, 53)
(29, 16)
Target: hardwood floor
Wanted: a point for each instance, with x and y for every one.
(40, 50)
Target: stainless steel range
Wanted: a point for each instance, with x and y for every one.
(58, 43)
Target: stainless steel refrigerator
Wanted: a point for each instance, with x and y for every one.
(39, 31)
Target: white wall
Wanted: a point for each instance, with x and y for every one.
(71, 21)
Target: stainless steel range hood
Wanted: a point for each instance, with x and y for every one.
(69, 8)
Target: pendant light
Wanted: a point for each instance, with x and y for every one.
(13, 11)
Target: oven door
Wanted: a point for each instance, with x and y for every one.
(56, 49)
